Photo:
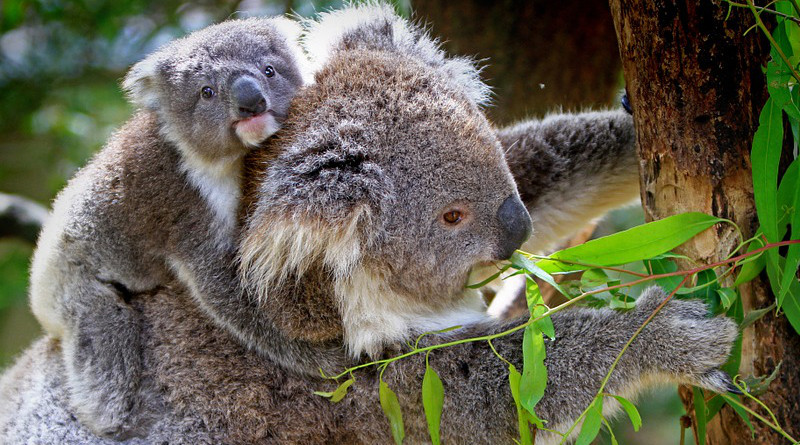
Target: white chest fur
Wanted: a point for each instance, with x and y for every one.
(219, 184)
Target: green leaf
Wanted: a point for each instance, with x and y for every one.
(339, 393)
(705, 290)
(391, 407)
(765, 156)
(594, 278)
(591, 423)
(726, 297)
(537, 308)
(732, 365)
(522, 419)
(617, 302)
(631, 410)
(793, 253)
(525, 263)
(432, 402)
(752, 267)
(663, 266)
(490, 279)
(753, 316)
(791, 303)
(635, 244)
(534, 372)
(700, 415)
(757, 385)
(611, 435)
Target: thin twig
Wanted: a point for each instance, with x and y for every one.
(772, 41)
(734, 401)
(765, 9)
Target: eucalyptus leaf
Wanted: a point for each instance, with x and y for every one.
(591, 423)
(793, 252)
(757, 385)
(525, 263)
(765, 156)
(635, 244)
(490, 279)
(341, 391)
(753, 266)
(611, 435)
(726, 297)
(699, 414)
(514, 378)
(391, 408)
(534, 372)
(537, 308)
(753, 316)
(432, 402)
(791, 303)
(630, 409)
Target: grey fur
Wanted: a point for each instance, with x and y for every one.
(587, 159)
(160, 198)
(345, 208)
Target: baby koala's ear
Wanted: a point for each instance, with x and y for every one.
(141, 84)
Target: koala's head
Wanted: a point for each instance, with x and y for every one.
(223, 89)
(390, 178)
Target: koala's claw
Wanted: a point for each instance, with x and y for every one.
(626, 103)
(719, 381)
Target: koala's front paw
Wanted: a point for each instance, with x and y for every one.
(684, 344)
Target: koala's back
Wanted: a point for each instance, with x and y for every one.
(116, 219)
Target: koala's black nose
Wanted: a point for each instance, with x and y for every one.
(515, 224)
(248, 98)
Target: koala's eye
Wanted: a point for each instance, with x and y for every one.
(207, 92)
(453, 217)
(269, 71)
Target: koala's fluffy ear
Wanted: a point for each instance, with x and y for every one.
(376, 26)
(141, 83)
(315, 204)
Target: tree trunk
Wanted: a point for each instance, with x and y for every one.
(697, 88)
(541, 54)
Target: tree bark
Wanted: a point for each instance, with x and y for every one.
(697, 88)
(542, 55)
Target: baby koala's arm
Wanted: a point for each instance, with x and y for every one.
(571, 168)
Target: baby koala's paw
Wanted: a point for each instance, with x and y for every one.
(684, 343)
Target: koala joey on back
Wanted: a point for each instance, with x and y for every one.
(160, 198)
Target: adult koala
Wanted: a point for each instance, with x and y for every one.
(364, 218)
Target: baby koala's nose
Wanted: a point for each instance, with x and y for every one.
(248, 98)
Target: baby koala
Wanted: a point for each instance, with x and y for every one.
(159, 200)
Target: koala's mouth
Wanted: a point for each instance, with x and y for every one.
(254, 130)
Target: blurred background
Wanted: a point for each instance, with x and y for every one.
(61, 63)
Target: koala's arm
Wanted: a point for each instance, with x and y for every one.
(680, 345)
(571, 168)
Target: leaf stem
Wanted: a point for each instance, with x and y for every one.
(772, 41)
(766, 9)
(733, 401)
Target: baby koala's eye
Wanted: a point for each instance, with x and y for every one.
(269, 71)
(207, 92)
(453, 217)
